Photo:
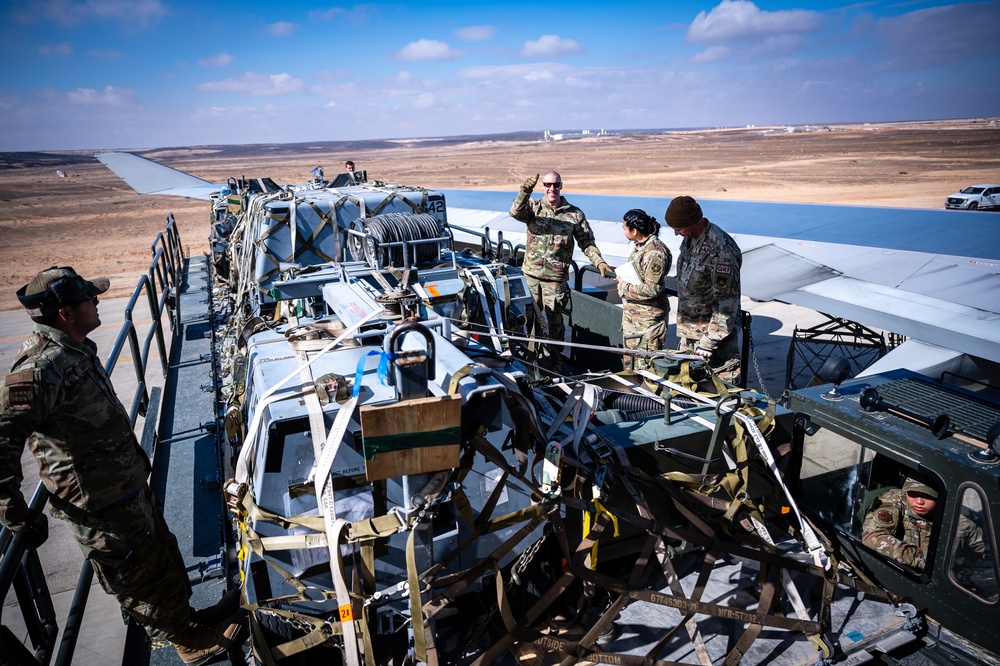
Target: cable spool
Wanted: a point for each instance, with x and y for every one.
(394, 228)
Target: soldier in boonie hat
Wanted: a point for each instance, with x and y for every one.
(57, 287)
(59, 402)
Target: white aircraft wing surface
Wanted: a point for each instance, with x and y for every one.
(148, 177)
(874, 274)
(931, 275)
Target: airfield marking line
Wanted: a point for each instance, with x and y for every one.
(141, 322)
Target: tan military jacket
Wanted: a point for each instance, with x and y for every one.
(652, 260)
(58, 399)
(708, 287)
(551, 232)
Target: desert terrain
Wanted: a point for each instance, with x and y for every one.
(92, 221)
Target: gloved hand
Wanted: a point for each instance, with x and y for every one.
(604, 268)
(529, 184)
(33, 524)
(701, 351)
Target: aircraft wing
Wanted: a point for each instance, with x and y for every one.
(931, 275)
(874, 273)
(148, 177)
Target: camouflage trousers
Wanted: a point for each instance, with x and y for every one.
(137, 560)
(545, 319)
(642, 332)
(725, 361)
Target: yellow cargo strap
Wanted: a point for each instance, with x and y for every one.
(599, 509)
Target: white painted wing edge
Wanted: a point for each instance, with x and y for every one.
(148, 177)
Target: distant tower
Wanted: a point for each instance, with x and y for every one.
(547, 137)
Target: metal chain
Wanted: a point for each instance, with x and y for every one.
(294, 622)
(524, 560)
(756, 367)
(518, 568)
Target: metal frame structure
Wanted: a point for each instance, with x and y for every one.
(20, 567)
(812, 346)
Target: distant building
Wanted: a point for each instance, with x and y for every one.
(549, 136)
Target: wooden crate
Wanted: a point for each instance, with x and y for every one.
(423, 420)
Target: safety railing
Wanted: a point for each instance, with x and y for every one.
(500, 249)
(20, 567)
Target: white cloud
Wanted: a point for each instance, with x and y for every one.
(550, 46)
(507, 74)
(327, 14)
(218, 60)
(253, 83)
(62, 48)
(357, 16)
(741, 19)
(713, 54)
(280, 29)
(476, 33)
(427, 49)
(542, 75)
(424, 101)
(110, 96)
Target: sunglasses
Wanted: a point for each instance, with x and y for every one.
(557, 185)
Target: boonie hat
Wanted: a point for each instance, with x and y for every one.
(912, 485)
(56, 287)
(683, 212)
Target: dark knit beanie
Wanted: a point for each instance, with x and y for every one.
(683, 212)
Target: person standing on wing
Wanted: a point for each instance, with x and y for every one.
(645, 305)
(708, 289)
(554, 226)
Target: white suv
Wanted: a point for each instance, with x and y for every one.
(983, 197)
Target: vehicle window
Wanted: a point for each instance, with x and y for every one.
(972, 562)
(835, 475)
(972, 190)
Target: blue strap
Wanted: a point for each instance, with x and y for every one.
(383, 369)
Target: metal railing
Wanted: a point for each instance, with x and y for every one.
(20, 567)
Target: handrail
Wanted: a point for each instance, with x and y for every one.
(162, 285)
(485, 237)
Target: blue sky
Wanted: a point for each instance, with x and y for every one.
(96, 74)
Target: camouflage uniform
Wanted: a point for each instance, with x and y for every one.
(59, 400)
(645, 307)
(708, 298)
(547, 257)
(894, 530)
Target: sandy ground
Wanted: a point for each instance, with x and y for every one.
(94, 222)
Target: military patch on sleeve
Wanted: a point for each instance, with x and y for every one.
(20, 388)
(885, 517)
(723, 276)
(656, 266)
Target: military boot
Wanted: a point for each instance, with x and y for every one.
(197, 645)
(213, 615)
